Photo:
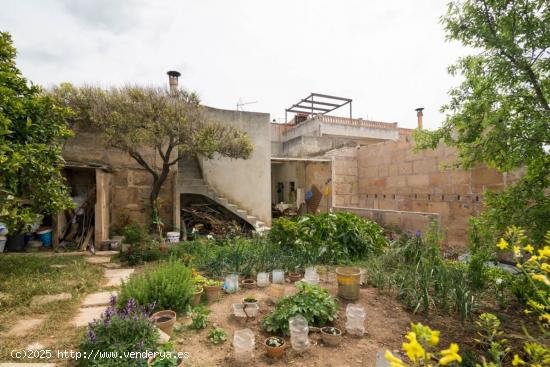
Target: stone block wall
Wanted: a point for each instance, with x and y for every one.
(392, 177)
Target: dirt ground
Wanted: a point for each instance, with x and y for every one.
(386, 323)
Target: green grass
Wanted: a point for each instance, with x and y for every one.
(22, 277)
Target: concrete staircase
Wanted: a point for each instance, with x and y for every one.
(190, 181)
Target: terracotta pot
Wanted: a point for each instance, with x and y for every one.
(213, 293)
(331, 339)
(151, 359)
(248, 283)
(196, 298)
(294, 277)
(275, 352)
(164, 320)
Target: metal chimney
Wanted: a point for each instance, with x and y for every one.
(419, 115)
(173, 80)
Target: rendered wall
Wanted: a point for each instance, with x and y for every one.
(247, 183)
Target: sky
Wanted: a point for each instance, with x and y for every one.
(389, 56)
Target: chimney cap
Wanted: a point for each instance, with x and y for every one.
(419, 109)
(174, 73)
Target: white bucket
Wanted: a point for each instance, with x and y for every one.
(173, 237)
(3, 240)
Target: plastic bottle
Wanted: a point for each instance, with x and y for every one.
(299, 333)
(262, 280)
(355, 319)
(243, 343)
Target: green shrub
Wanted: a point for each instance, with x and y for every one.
(328, 238)
(217, 336)
(314, 303)
(141, 247)
(122, 330)
(199, 317)
(169, 286)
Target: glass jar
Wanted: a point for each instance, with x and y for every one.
(311, 276)
(355, 319)
(243, 343)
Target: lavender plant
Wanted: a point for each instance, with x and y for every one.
(119, 331)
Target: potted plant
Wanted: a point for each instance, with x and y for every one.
(250, 300)
(164, 320)
(198, 290)
(164, 361)
(248, 283)
(275, 346)
(295, 276)
(213, 289)
(331, 335)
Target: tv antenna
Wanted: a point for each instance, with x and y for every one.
(240, 104)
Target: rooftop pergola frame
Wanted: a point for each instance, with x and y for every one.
(317, 103)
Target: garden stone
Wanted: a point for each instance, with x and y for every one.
(58, 266)
(22, 327)
(163, 337)
(106, 253)
(98, 299)
(35, 346)
(116, 276)
(48, 298)
(111, 265)
(98, 260)
(87, 315)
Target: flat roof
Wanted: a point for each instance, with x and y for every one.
(289, 159)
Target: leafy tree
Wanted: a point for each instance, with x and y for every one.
(32, 129)
(151, 124)
(500, 115)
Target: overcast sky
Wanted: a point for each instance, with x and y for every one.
(388, 56)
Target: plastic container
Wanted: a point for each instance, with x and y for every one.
(355, 319)
(348, 282)
(3, 241)
(243, 344)
(231, 284)
(173, 237)
(262, 280)
(240, 311)
(311, 276)
(3, 229)
(15, 242)
(45, 236)
(299, 333)
(278, 276)
(275, 292)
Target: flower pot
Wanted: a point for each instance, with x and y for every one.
(294, 277)
(173, 237)
(331, 339)
(15, 242)
(163, 248)
(212, 293)
(248, 303)
(164, 320)
(196, 298)
(248, 283)
(275, 352)
(152, 359)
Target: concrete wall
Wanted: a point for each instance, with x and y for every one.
(392, 177)
(130, 184)
(247, 183)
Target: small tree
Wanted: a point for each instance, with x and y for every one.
(153, 122)
(32, 129)
(500, 114)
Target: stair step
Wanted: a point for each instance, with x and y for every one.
(192, 181)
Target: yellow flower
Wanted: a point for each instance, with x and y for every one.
(545, 267)
(517, 361)
(434, 340)
(450, 355)
(394, 361)
(414, 350)
(545, 252)
(517, 251)
(529, 249)
(541, 278)
(502, 244)
(545, 317)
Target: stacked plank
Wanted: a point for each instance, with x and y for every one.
(79, 227)
(206, 219)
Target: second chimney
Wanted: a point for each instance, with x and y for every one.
(419, 115)
(173, 80)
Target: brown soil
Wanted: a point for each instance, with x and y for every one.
(386, 324)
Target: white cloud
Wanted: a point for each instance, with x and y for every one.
(390, 57)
